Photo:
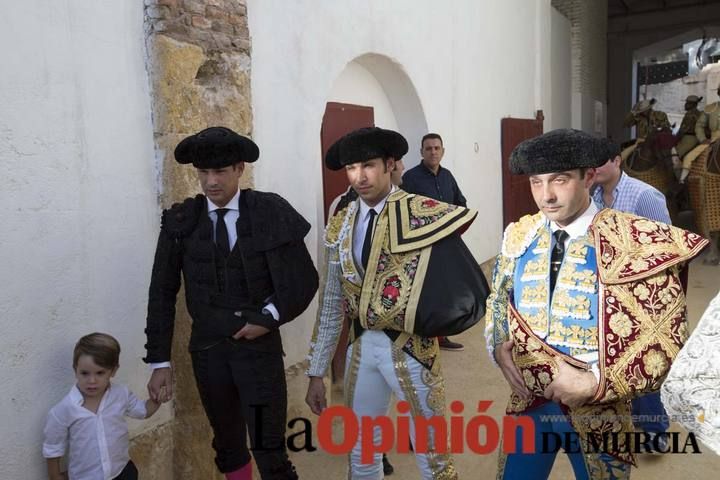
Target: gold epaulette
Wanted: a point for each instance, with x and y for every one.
(334, 227)
(630, 247)
(417, 222)
(519, 235)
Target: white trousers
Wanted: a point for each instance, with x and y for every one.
(375, 368)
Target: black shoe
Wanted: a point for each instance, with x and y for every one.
(387, 467)
(447, 344)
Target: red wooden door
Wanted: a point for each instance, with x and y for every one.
(517, 198)
(339, 119)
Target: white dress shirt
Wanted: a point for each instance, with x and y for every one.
(96, 443)
(361, 225)
(579, 226)
(231, 217)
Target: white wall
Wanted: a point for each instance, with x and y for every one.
(468, 71)
(79, 196)
(358, 86)
(561, 72)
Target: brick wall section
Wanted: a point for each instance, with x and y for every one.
(589, 44)
(214, 25)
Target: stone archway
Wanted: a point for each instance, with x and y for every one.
(379, 84)
(378, 78)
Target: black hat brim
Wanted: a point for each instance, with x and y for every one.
(558, 151)
(216, 147)
(365, 144)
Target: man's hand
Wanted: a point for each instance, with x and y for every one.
(160, 385)
(503, 356)
(315, 397)
(250, 332)
(571, 386)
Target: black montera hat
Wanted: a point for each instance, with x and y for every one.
(365, 144)
(557, 151)
(216, 147)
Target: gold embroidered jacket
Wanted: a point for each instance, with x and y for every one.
(641, 327)
(419, 271)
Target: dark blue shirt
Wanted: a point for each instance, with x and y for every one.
(422, 181)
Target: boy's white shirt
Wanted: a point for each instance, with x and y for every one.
(96, 443)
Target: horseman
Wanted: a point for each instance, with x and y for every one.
(686, 137)
(647, 122)
(704, 181)
(707, 131)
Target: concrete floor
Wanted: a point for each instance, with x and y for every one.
(469, 377)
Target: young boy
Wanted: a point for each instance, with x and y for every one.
(89, 422)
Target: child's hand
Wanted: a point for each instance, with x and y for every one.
(151, 406)
(164, 396)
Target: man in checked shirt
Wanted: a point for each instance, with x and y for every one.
(616, 189)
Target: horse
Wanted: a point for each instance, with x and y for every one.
(651, 162)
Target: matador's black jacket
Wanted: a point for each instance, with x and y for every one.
(269, 264)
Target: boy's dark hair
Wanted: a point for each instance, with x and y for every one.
(103, 348)
(430, 136)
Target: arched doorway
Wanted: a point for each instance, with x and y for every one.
(372, 90)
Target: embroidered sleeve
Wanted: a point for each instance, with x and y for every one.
(496, 324)
(691, 392)
(328, 325)
(643, 328)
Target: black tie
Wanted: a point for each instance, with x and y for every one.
(367, 243)
(221, 234)
(557, 256)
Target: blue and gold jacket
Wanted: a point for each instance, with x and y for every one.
(619, 301)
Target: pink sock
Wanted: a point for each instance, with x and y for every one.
(244, 473)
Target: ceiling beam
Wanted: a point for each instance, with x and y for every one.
(657, 10)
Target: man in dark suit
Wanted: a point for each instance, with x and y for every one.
(246, 271)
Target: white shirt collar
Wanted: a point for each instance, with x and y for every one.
(581, 224)
(233, 204)
(76, 395)
(365, 209)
